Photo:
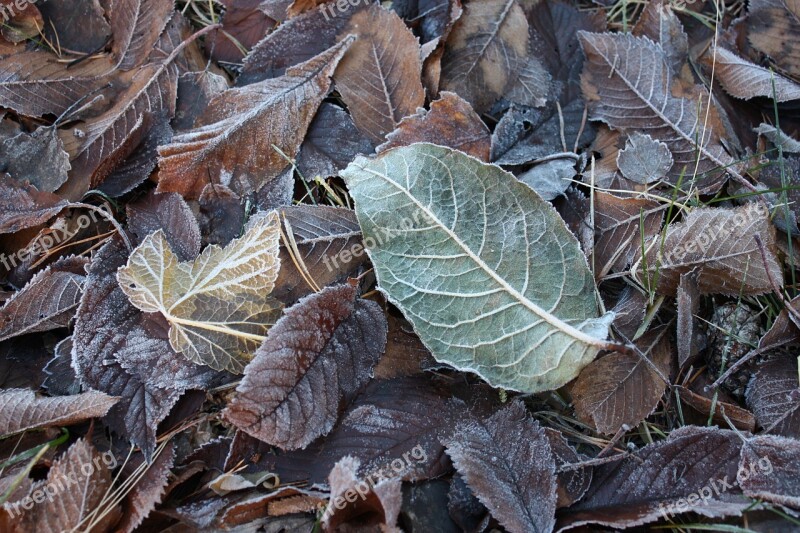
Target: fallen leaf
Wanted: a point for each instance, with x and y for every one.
(774, 396)
(218, 305)
(380, 76)
(24, 206)
(550, 179)
(38, 158)
(78, 25)
(769, 469)
(469, 294)
(244, 24)
(170, 212)
(136, 26)
(572, 482)
(450, 122)
(688, 329)
(770, 25)
(507, 462)
(721, 413)
(742, 79)
(644, 159)
(293, 390)
(23, 410)
(253, 117)
(148, 491)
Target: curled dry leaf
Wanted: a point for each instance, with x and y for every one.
(23, 410)
(627, 83)
(721, 246)
(507, 462)
(487, 57)
(519, 310)
(450, 122)
(319, 354)
(379, 77)
(234, 142)
(623, 389)
(218, 305)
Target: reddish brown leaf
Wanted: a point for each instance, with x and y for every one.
(380, 77)
(137, 25)
(450, 122)
(506, 461)
(293, 389)
(721, 412)
(244, 24)
(78, 25)
(233, 141)
(769, 469)
(148, 491)
(169, 213)
(572, 482)
(38, 158)
(23, 410)
(23, 206)
(195, 91)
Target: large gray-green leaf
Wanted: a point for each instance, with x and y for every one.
(484, 269)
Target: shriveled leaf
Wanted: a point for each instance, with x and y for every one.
(774, 396)
(771, 27)
(47, 302)
(234, 142)
(23, 410)
(623, 389)
(38, 158)
(450, 122)
(770, 469)
(627, 83)
(644, 159)
(24, 206)
(656, 481)
(506, 461)
(380, 76)
(126, 353)
(218, 305)
(487, 57)
(328, 240)
(317, 356)
(619, 223)
(331, 143)
(85, 476)
(721, 245)
(742, 79)
(515, 307)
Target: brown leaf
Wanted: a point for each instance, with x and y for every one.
(771, 27)
(572, 483)
(78, 25)
(627, 83)
(380, 76)
(47, 302)
(658, 481)
(405, 354)
(769, 469)
(774, 396)
(195, 91)
(331, 143)
(630, 310)
(722, 411)
(22, 410)
(623, 389)
(742, 79)
(79, 480)
(487, 57)
(136, 26)
(688, 332)
(506, 461)
(328, 240)
(222, 215)
(375, 505)
(233, 141)
(170, 213)
(721, 245)
(148, 491)
(660, 24)
(38, 158)
(619, 223)
(317, 356)
(450, 122)
(244, 22)
(23, 206)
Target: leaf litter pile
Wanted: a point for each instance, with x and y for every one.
(425, 265)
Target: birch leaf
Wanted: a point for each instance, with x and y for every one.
(217, 305)
(484, 269)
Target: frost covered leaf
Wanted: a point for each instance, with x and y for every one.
(627, 83)
(746, 80)
(658, 478)
(484, 269)
(774, 396)
(148, 491)
(48, 301)
(136, 26)
(218, 305)
(38, 158)
(24, 206)
(328, 240)
(232, 142)
(644, 159)
(769, 469)
(167, 211)
(380, 76)
(22, 409)
(317, 356)
(721, 244)
(450, 122)
(87, 476)
(772, 27)
(506, 461)
(779, 138)
(487, 57)
(624, 388)
(550, 179)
